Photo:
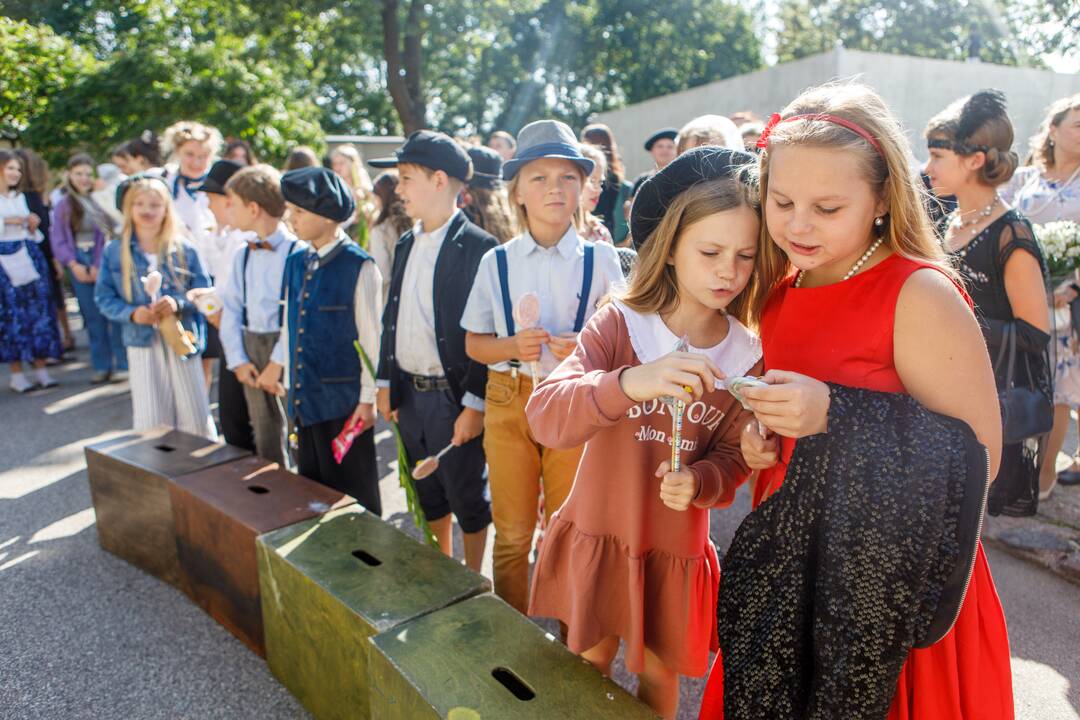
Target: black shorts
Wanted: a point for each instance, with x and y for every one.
(213, 343)
(426, 421)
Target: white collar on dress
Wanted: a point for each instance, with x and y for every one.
(651, 339)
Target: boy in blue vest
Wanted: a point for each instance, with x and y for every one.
(331, 298)
(426, 379)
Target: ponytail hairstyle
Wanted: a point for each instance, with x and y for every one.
(907, 230)
(974, 124)
(145, 146)
(76, 208)
(1042, 146)
(169, 248)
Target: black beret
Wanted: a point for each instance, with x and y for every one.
(319, 191)
(487, 167)
(665, 134)
(434, 150)
(219, 174)
(709, 162)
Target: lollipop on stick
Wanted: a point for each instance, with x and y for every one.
(430, 464)
(527, 316)
(678, 408)
(151, 283)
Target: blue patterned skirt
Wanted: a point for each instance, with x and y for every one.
(28, 329)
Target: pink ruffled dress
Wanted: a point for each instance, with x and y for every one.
(615, 560)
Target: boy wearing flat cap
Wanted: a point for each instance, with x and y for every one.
(331, 295)
(425, 378)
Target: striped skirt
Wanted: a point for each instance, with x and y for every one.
(167, 389)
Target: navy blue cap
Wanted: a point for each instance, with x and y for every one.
(319, 191)
(219, 174)
(123, 187)
(546, 139)
(487, 167)
(665, 134)
(434, 150)
(700, 164)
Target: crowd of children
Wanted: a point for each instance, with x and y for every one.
(571, 387)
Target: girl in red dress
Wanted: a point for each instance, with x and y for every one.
(862, 295)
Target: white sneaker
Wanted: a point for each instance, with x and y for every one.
(44, 379)
(20, 384)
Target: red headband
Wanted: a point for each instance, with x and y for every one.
(775, 119)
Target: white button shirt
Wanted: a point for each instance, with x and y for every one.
(417, 349)
(554, 274)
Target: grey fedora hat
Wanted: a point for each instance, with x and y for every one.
(546, 139)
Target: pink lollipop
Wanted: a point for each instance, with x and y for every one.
(152, 284)
(527, 316)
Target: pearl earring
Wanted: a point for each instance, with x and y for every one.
(879, 221)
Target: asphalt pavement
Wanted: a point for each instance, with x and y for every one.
(85, 635)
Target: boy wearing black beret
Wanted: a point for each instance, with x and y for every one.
(331, 296)
(425, 378)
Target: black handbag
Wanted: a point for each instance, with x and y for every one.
(1025, 411)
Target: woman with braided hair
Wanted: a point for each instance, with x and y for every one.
(995, 249)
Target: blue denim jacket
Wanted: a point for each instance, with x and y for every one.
(109, 295)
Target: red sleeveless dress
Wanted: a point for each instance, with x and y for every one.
(843, 333)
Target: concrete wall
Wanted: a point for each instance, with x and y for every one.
(370, 147)
(915, 88)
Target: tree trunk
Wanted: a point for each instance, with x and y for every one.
(404, 70)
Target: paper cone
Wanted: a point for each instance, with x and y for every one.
(179, 340)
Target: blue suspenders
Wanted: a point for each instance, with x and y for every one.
(508, 305)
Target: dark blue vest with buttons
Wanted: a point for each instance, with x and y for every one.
(324, 382)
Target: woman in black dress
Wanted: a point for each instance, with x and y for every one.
(996, 251)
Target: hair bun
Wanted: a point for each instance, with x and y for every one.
(999, 167)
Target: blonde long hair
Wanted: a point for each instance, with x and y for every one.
(907, 231)
(653, 285)
(169, 249)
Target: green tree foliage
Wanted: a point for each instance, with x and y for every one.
(166, 67)
(36, 65)
(942, 29)
(269, 71)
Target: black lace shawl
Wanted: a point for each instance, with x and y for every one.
(864, 552)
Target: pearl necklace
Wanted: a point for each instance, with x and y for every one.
(854, 268)
(960, 224)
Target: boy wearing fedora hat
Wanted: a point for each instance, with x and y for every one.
(331, 295)
(425, 378)
(530, 299)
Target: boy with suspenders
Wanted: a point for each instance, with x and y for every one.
(530, 299)
(250, 323)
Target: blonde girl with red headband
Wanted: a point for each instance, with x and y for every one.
(857, 292)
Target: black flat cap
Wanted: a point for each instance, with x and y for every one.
(665, 134)
(487, 167)
(698, 165)
(433, 150)
(319, 191)
(219, 174)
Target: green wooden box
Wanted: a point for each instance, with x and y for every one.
(328, 584)
(481, 659)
